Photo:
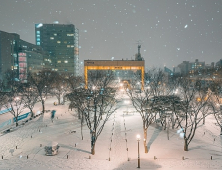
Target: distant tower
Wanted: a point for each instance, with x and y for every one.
(138, 55)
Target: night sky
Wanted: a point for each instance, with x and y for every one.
(169, 31)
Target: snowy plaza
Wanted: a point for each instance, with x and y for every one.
(116, 147)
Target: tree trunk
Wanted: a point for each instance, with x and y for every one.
(16, 121)
(79, 114)
(93, 142)
(59, 100)
(168, 129)
(220, 130)
(93, 150)
(32, 114)
(185, 145)
(43, 106)
(144, 141)
(82, 120)
(172, 120)
(204, 120)
(165, 123)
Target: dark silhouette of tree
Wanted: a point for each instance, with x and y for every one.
(145, 99)
(15, 102)
(96, 103)
(216, 101)
(41, 82)
(30, 96)
(196, 101)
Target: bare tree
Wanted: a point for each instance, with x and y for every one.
(30, 96)
(58, 87)
(96, 104)
(216, 100)
(195, 102)
(3, 99)
(144, 100)
(73, 82)
(41, 82)
(15, 103)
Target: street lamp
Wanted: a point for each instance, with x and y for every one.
(138, 139)
(17, 98)
(93, 87)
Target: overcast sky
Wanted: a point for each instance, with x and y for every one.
(170, 31)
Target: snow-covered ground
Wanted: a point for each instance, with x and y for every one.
(119, 134)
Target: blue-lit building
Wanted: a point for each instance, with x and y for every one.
(62, 42)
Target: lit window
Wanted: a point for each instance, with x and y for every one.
(38, 43)
(21, 54)
(38, 39)
(55, 34)
(37, 35)
(72, 45)
(51, 38)
(69, 35)
(58, 42)
(65, 61)
(58, 61)
(22, 58)
(65, 42)
(68, 46)
(37, 32)
(22, 65)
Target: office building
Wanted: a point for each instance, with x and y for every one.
(219, 64)
(61, 41)
(191, 67)
(19, 55)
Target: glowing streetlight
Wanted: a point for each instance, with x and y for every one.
(17, 98)
(93, 87)
(138, 139)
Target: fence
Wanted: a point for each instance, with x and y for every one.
(5, 111)
(11, 121)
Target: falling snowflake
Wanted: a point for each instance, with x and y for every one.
(185, 26)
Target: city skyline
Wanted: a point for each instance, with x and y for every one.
(169, 32)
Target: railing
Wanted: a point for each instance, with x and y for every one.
(5, 111)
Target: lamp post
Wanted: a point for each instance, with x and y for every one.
(138, 139)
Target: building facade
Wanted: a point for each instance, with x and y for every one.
(196, 66)
(191, 67)
(30, 59)
(19, 55)
(8, 52)
(219, 64)
(62, 43)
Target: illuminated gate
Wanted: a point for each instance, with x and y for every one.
(113, 65)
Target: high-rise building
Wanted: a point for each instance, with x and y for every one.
(184, 67)
(19, 55)
(219, 64)
(62, 42)
(196, 66)
(191, 67)
(8, 52)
